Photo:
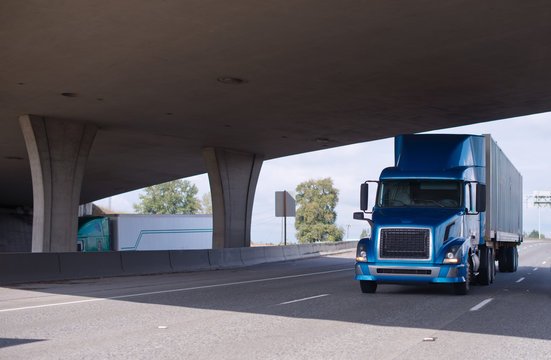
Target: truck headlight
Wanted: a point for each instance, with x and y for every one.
(361, 253)
(453, 255)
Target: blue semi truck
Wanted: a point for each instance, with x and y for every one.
(449, 208)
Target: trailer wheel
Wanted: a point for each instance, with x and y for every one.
(514, 266)
(502, 260)
(492, 265)
(508, 261)
(485, 271)
(463, 288)
(368, 287)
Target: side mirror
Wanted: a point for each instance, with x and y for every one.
(480, 197)
(364, 196)
(360, 216)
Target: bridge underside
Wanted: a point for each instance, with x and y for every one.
(163, 81)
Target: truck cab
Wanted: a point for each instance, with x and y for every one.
(428, 223)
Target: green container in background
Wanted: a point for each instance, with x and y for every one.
(93, 234)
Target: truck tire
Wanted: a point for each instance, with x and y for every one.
(485, 270)
(508, 261)
(514, 255)
(463, 288)
(502, 260)
(492, 265)
(368, 287)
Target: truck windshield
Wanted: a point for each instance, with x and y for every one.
(419, 193)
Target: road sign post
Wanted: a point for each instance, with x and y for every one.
(541, 199)
(284, 206)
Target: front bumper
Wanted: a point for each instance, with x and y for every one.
(402, 273)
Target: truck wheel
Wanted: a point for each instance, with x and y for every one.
(463, 288)
(493, 265)
(514, 266)
(485, 271)
(510, 259)
(502, 260)
(368, 287)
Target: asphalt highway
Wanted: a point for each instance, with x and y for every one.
(306, 309)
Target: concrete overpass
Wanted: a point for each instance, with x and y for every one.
(102, 97)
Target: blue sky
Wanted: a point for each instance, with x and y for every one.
(525, 140)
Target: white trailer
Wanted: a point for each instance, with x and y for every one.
(161, 232)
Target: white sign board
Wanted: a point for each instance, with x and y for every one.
(284, 204)
(542, 198)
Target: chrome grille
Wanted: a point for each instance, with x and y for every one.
(403, 243)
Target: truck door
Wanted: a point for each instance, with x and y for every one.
(472, 218)
(93, 234)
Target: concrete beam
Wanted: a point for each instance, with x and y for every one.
(233, 176)
(58, 151)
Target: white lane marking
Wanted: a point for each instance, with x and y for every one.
(175, 290)
(304, 299)
(535, 269)
(54, 304)
(519, 280)
(481, 305)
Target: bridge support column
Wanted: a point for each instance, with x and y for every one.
(233, 176)
(58, 151)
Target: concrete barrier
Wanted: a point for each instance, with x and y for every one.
(90, 264)
(347, 245)
(308, 251)
(26, 267)
(33, 267)
(225, 258)
(189, 260)
(274, 253)
(343, 245)
(326, 248)
(291, 252)
(329, 248)
(253, 255)
(145, 262)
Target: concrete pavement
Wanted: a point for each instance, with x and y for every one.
(291, 310)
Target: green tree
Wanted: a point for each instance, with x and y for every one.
(316, 216)
(206, 203)
(363, 234)
(173, 197)
(535, 235)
